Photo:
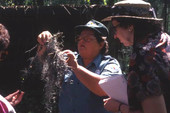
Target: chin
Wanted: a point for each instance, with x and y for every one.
(125, 44)
(82, 53)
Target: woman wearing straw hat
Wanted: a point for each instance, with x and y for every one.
(135, 24)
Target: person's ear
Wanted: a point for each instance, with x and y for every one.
(102, 44)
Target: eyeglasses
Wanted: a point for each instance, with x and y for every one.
(87, 38)
(115, 27)
(118, 25)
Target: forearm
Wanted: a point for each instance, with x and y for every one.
(155, 104)
(113, 106)
(40, 51)
(124, 108)
(89, 79)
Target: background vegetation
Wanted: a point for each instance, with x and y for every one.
(33, 97)
(162, 9)
(161, 6)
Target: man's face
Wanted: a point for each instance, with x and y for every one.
(88, 46)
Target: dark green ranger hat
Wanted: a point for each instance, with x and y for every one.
(96, 26)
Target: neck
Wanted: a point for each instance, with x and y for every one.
(87, 61)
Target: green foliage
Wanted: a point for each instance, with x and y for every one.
(54, 2)
(7, 3)
(162, 9)
(28, 2)
(123, 58)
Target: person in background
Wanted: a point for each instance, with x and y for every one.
(80, 92)
(7, 103)
(135, 24)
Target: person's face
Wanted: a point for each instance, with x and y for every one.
(88, 45)
(124, 34)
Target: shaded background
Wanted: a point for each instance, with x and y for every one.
(26, 22)
(24, 25)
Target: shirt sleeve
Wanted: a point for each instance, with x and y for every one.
(111, 68)
(5, 106)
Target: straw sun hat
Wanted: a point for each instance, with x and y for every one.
(137, 9)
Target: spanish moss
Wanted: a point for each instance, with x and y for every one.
(52, 67)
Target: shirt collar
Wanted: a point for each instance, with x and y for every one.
(96, 61)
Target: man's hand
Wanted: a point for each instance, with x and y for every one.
(111, 105)
(44, 37)
(71, 59)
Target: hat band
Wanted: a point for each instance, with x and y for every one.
(133, 11)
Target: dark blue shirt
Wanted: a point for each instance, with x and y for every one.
(76, 98)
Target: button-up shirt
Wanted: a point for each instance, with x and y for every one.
(76, 98)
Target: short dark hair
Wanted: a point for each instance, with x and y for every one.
(4, 37)
(100, 39)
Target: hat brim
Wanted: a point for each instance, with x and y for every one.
(79, 28)
(109, 18)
